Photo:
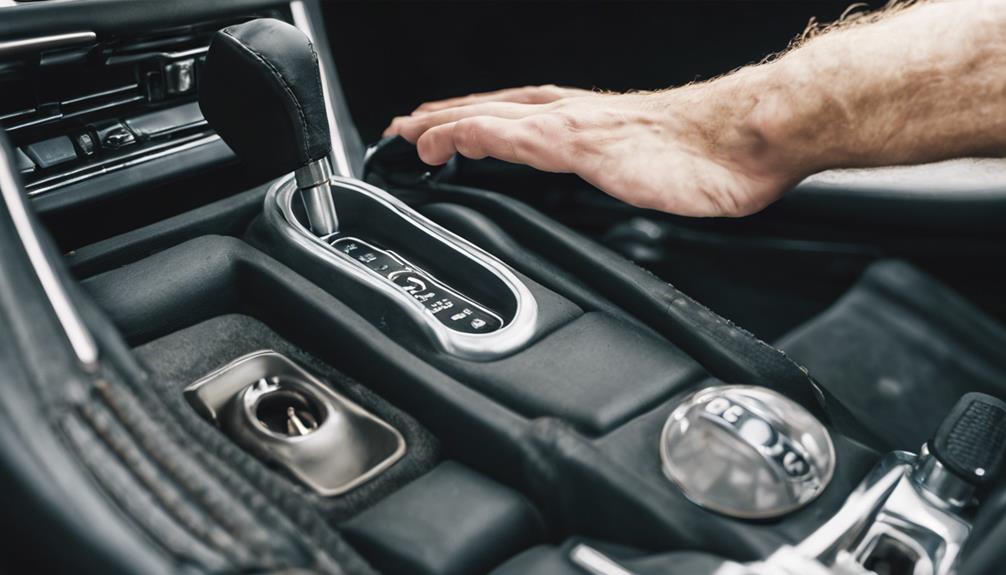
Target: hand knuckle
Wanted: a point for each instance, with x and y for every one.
(467, 134)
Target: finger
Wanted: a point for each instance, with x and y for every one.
(412, 127)
(523, 95)
(393, 127)
(516, 95)
(533, 141)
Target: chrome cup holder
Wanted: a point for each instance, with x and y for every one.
(282, 414)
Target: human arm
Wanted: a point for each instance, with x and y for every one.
(920, 84)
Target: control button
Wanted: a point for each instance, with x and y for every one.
(472, 320)
(478, 322)
(86, 144)
(346, 245)
(411, 282)
(375, 259)
(421, 288)
(114, 135)
(441, 304)
(153, 86)
(165, 122)
(180, 76)
(24, 163)
(450, 308)
(51, 152)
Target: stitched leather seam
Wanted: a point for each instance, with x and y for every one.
(285, 85)
(317, 78)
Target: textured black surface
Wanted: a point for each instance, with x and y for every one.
(596, 372)
(204, 511)
(451, 521)
(899, 349)
(971, 441)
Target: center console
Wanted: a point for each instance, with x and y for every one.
(399, 373)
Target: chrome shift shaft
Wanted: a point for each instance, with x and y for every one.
(315, 191)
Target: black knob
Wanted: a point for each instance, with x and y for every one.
(971, 441)
(260, 89)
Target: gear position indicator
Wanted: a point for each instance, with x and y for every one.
(452, 309)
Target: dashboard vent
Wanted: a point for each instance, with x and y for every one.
(96, 103)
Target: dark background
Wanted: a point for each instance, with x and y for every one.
(392, 56)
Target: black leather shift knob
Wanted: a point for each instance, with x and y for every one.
(260, 89)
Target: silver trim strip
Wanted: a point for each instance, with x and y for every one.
(475, 346)
(594, 562)
(340, 158)
(102, 94)
(127, 162)
(73, 326)
(9, 47)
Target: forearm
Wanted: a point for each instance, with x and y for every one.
(926, 84)
(922, 84)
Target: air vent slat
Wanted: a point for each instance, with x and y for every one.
(17, 115)
(103, 106)
(28, 118)
(102, 94)
(118, 60)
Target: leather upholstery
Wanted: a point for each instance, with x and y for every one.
(451, 521)
(966, 194)
(261, 91)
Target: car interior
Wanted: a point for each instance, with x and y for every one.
(243, 332)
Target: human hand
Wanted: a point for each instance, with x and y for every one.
(691, 151)
(920, 83)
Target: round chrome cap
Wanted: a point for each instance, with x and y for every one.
(746, 451)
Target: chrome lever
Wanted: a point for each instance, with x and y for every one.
(908, 515)
(314, 185)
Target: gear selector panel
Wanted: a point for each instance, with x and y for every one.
(453, 310)
(313, 213)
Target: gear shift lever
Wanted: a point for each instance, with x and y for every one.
(260, 89)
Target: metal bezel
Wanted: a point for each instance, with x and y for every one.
(306, 457)
(512, 336)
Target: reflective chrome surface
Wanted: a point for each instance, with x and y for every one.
(126, 161)
(594, 562)
(788, 561)
(939, 484)
(889, 524)
(890, 513)
(518, 331)
(313, 183)
(746, 451)
(49, 42)
(323, 438)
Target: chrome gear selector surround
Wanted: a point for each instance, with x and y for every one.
(746, 452)
(411, 277)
